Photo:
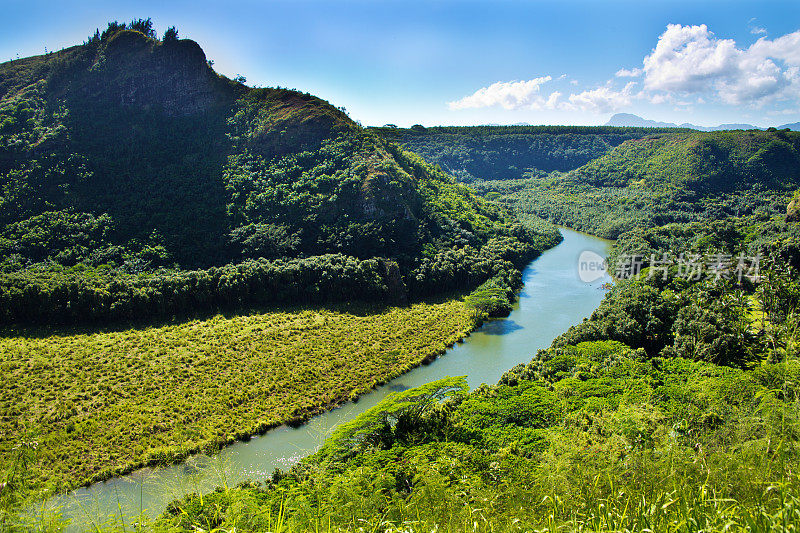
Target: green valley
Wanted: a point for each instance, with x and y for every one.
(673, 407)
(662, 178)
(478, 153)
(188, 263)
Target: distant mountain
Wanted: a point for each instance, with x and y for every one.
(630, 120)
(634, 121)
(794, 126)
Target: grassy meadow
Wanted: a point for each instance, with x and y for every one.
(102, 403)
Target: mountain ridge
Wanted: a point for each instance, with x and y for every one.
(631, 120)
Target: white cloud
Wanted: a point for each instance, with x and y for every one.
(632, 73)
(755, 30)
(552, 100)
(603, 99)
(515, 95)
(509, 95)
(785, 48)
(690, 59)
(688, 66)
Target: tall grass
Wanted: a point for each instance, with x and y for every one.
(100, 404)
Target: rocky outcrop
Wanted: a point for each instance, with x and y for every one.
(138, 72)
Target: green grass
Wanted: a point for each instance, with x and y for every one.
(103, 403)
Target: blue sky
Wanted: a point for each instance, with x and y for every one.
(471, 62)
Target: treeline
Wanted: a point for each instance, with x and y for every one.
(81, 295)
(487, 130)
(77, 295)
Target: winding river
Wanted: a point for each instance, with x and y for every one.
(553, 298)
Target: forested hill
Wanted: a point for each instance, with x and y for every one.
(700, 162)
(473, 153)
(676, 177)
(136, 180)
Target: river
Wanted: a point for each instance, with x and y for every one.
(553, 298)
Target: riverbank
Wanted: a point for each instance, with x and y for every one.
(552, 299)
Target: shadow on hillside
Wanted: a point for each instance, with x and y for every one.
(360, 309)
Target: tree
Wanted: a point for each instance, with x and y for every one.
(401, 411)
(171, 35)
(144, 26)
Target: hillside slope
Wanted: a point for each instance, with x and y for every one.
(475, 153)
(126, 161)
(676, 177)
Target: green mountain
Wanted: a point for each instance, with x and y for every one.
(701, 162)
(661, 178)
(131, 171)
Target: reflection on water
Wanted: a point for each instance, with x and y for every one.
(501, 326)
(554, 299)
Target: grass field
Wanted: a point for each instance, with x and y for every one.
(103, 403)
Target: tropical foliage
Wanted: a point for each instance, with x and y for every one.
(674, 407)
(598, 438)
(477, 153)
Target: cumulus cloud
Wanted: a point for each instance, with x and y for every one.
(632, 73)
(786, 48)
(691, 59)
(602, 100)
(689, 65)
(509, 95)
(516, 95)
(552, 100)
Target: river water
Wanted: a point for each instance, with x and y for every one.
(553, 298)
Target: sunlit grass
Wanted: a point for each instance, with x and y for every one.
(103, 403)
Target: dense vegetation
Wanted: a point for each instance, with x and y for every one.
(139, 188)
(677, 177)
(674, 407)
(134, 179)
(475, 153)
